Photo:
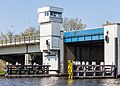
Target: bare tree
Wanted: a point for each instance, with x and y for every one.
(30, 32)
(73, 24)
(2, 36)
(10, 34)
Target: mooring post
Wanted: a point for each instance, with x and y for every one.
(84, 74)
(103, 70)
(43, 69)
(10, 68)
(112, 70)
(17, 68)
(7, 70)
(77, 71)
(94, 70)
(47, 69)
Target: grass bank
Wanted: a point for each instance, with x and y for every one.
(2, 72)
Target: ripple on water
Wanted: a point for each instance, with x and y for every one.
(57, 81)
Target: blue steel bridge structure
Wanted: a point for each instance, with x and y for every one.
(84, 45)
(84, 35)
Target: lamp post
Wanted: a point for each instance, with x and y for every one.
(12, 27)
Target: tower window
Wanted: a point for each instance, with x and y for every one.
(55, 14)
(46, 13)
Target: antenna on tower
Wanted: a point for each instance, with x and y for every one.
(29, 23)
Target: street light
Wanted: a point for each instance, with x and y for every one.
(13, 29)
(12, 26)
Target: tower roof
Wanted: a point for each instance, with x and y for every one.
(50, 8)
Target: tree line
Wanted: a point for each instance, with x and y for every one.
(31, 31)
(68, 25)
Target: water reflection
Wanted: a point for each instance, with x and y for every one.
(57, 81)
(70, 82)
(51, 81)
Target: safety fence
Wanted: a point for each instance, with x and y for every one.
(26, 70)
(86, 70)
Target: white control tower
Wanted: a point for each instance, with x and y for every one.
(51, 37)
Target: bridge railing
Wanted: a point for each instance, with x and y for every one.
(19, 40)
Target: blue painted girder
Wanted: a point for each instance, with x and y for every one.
(84, 35)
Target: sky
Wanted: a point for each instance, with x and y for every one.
(17, 15)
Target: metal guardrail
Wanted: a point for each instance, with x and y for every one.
(85, 71)
(27, 70)
(20, 40)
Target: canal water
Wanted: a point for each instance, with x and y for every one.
(57, 81)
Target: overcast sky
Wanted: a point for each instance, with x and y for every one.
(22, 13)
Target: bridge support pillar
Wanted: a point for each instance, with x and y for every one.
(51, 58)
(27, 59)
(112, 45)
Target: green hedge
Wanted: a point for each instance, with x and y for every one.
(2, 72)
